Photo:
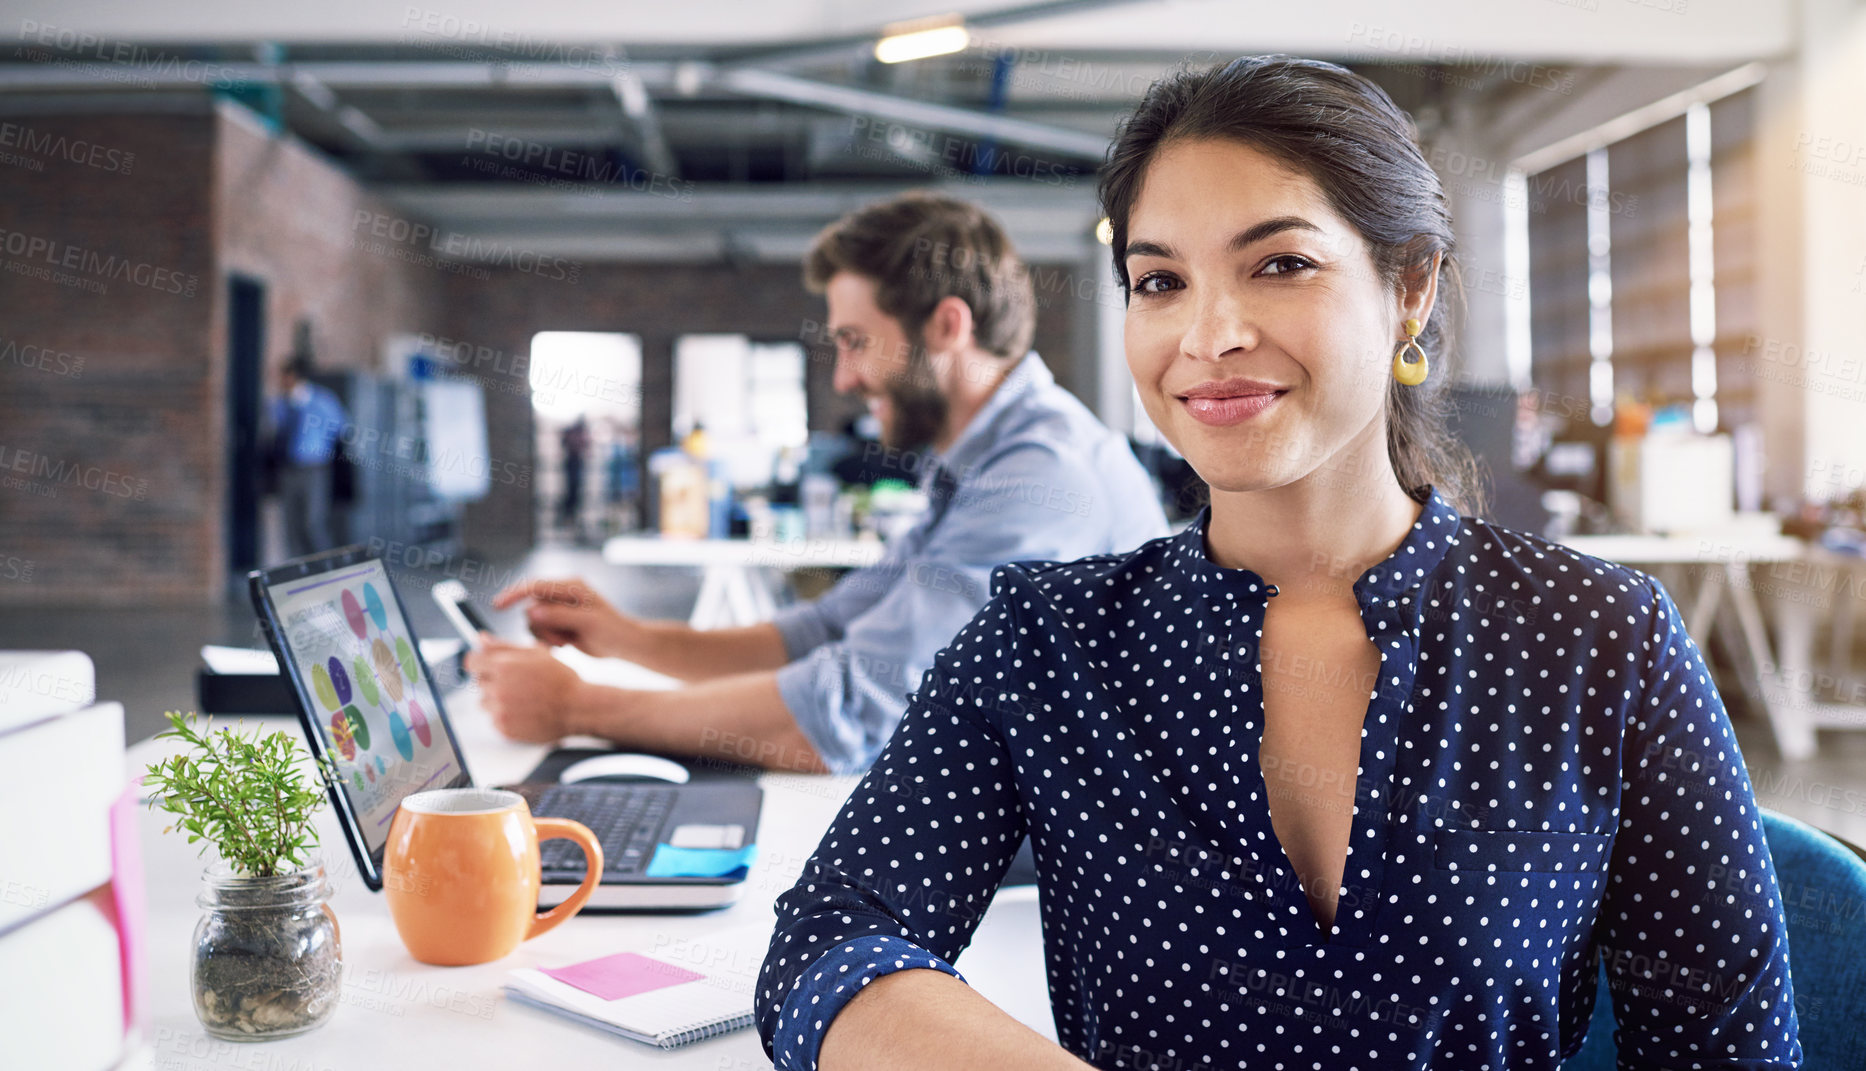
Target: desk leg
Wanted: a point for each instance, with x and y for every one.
(742, 596)
(712, 608)
(1749, 613)
(1840, 652)
(763, 607)
(1790, 694)
(1703, 613)
(1756, 638)
(1701, 620)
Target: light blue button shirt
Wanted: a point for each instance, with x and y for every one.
(1033, 476)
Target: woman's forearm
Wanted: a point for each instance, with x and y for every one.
(917, 1019)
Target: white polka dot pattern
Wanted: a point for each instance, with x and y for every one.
(1547, 779)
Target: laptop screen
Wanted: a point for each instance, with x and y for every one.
(369, 694)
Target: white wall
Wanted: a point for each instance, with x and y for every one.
(1810, 361)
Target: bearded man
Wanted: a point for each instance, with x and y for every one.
(932, 312)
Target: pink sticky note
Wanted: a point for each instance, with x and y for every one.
(621, 975)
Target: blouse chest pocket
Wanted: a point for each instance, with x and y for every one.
(1520, 851)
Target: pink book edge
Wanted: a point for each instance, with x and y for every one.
(129, 897)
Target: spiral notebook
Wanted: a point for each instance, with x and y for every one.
(677, 992)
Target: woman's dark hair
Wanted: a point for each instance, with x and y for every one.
(1348, 136)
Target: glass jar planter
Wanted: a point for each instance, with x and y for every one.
(268, 958)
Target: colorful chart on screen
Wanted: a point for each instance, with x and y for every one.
(374, 707)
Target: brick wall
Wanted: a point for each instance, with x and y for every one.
(108, 401)
(113, 457)
(288, 217)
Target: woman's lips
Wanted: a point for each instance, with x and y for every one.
(1233, 409)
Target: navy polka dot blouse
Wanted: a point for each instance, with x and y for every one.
(1548, 781)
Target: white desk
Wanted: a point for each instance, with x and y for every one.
(731, 592)
(1799, 581)
(398, 1013)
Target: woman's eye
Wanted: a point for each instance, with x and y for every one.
(1295, 263)
(1155, 283)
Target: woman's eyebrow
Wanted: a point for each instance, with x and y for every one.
(1239, 242)
(1275, 225)
(1145, 248)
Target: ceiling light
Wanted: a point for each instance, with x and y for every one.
(918, 40)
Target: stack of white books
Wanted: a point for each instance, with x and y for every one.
(70, 884)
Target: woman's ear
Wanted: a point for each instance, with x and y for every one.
(1419, 288)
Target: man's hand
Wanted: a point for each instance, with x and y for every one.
(570, 612)
(534, 698)
(531, 696)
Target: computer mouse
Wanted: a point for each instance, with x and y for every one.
(623, 766)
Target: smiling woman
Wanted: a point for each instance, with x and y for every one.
(1339, 777)
(1332, 205)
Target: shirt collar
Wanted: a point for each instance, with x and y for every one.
(1425, 546)
(1027, 375)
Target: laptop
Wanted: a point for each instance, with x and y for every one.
(367, 703)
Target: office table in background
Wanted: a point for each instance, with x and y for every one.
(1798, 580)
(731, 591)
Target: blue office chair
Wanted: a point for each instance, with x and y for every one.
(1826, 949)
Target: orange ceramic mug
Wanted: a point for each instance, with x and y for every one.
(461, 873)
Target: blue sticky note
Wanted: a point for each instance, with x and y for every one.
(672, 862)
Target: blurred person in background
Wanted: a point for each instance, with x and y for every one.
(575, 442)
(307, 424)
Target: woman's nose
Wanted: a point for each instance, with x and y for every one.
(1220, 324)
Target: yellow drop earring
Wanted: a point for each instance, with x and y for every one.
(1411, 373)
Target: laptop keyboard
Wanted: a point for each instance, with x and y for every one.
(626, 819)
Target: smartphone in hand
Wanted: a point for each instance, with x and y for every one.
(451, 596)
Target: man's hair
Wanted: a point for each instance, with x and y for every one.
(920, 248)
(299, 365)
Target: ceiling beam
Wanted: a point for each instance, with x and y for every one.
(698, 223)
(632, 96)
(472, 136)
(337, 74)
(319, 96)
(1534, 122)
(668, 77)
(1072, 207)
(917, 114)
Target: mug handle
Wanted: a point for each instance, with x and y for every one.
(549, 828)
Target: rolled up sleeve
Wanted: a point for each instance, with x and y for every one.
(1694, 938)
(848, 694)
(910, 865)
(803, 628)
(810, 625)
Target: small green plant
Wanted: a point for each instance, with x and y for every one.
(242, 794)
